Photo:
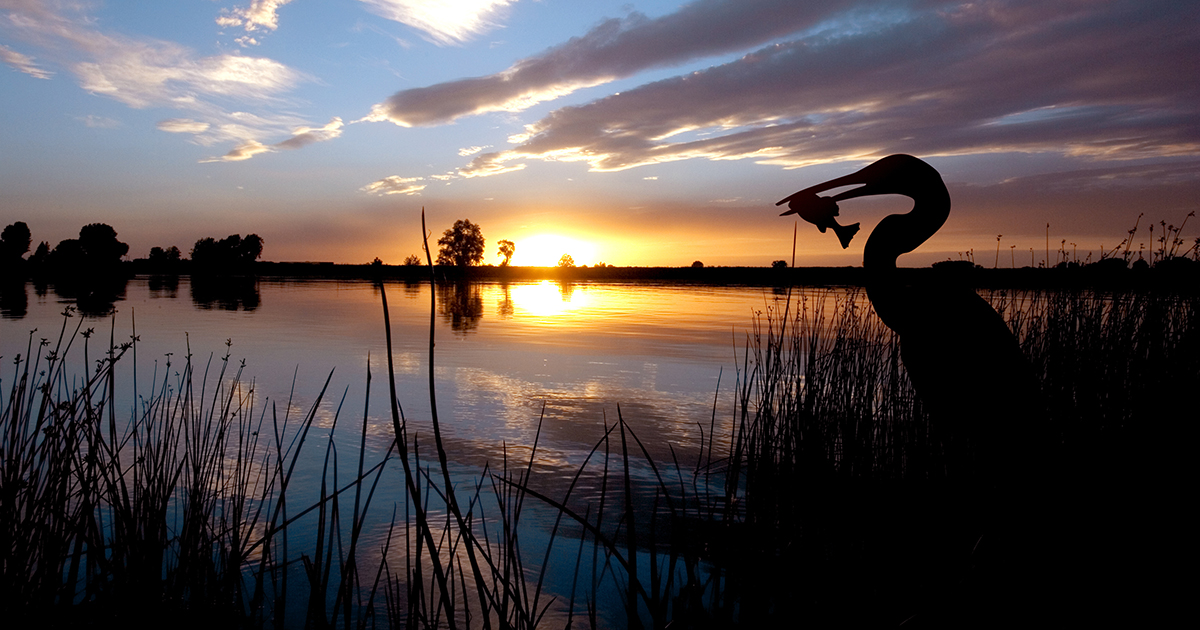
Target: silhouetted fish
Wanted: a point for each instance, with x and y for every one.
(819, 211)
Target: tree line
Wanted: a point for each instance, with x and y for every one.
(97, 252)
(462, 245)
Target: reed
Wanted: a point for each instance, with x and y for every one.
(843, 478)
(839, 501)
(178, 511)
(465, 564)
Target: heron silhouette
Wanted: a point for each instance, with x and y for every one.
(964, 363)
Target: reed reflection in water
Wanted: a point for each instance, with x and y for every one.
(504, 351)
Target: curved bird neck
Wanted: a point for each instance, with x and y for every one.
(899, 234)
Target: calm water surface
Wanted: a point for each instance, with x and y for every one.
(508, 357)
(504, 353)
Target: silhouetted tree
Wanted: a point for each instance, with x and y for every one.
(412, 260)
(232, 253)
(164, 259)
(251, 248)
(461, 245)
(205, 251)
(507, 248)
(100, 244)
(14, 242)
(566, 261)
(96, 252)
(67, 254)
(40, 256)
(779, 264)
(87, 270)
(697, 264)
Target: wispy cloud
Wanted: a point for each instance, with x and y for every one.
(443, 21)
(241, 152)
(304, 136)
(145, 72)
(949, 79)
(613, 49)
(395, 185)
(142, 74)
(22, 63)
(301, 137)
(183, 125)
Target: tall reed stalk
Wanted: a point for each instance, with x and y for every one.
(839, 502)
(845, 480)
(175, 513)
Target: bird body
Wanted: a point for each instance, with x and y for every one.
(970, 375)
(960, 355)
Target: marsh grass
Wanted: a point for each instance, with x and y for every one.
(465, 564)
(874, 507)
(839, 501)
(177, 511)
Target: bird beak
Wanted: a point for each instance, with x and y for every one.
(858, 177)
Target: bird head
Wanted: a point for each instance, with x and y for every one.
(893, 175)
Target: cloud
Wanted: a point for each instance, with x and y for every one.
(395, 185)
(182, 125)
(22, 63)
(261, 14)
(304, 136)
(145, 72)
(445, 22)
(490, 164)
(1101, 81)
(467, 151)
(613, 49)
(159, 73)
(301, 137)
(241, 125)
(241, 152)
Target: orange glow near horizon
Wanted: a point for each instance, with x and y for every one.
(545, 250)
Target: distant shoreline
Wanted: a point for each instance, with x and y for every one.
(1185, 275)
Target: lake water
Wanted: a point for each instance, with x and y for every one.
(509, 357)
(504, 352)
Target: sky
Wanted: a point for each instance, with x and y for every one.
(633, 133)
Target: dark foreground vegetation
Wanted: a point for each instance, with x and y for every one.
(840, 502)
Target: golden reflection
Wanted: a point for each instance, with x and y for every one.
(547, 299)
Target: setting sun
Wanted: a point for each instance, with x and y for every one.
(545, 250)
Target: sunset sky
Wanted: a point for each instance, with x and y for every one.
(638, 132)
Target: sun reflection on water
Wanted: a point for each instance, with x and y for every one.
(548, 299)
